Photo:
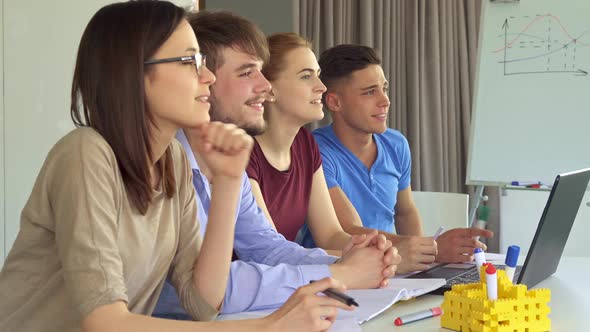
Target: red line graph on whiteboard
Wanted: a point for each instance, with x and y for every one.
(538, 20)
(543, 45)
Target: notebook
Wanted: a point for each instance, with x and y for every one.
(548, 243)
(372, 302)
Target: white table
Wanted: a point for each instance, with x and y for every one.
(570, 302)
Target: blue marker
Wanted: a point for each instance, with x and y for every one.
(480, 259)
(511, 259)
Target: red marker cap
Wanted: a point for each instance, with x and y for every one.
(490, 269)
(437, 311)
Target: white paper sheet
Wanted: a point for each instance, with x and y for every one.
(371, 302)
(342, 324)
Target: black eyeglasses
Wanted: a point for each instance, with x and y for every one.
(198, 58)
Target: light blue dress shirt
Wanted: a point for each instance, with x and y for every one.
(270, 268)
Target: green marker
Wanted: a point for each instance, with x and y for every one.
(482, 218)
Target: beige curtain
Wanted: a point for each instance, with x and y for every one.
(429, 51)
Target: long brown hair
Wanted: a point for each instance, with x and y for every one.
(108, 93)
(279, 44)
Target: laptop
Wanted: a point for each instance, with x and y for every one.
(548, 243)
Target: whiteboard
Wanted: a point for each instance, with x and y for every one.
(531, 112)
(2, 233)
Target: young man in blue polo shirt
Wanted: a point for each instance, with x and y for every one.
(367, 165)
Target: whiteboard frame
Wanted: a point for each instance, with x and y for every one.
(500, 179)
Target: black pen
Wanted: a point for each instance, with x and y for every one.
(337, 295)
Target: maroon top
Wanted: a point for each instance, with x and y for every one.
(287, 193)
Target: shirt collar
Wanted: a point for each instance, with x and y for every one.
(181, 137)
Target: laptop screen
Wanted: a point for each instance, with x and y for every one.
(550, 237)
(554, 227)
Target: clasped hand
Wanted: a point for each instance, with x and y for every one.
(368, 261)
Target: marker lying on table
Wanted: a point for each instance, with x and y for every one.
(339, 296)
(528, 184)
(525, 183)
(511, 259)
(401, 320)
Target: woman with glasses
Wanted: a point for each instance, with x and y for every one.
(112, 213)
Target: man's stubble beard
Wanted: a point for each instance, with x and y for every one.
(251, 130)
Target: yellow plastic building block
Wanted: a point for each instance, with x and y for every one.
(467, 308)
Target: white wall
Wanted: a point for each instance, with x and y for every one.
(2, 225)
(40, 45)
(40, 50)
(520, 213)
(270, 15)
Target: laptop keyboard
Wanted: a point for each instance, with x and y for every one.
(473, 276)
(465, 278)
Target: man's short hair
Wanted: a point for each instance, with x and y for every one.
(341, 61)
(220, 29)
